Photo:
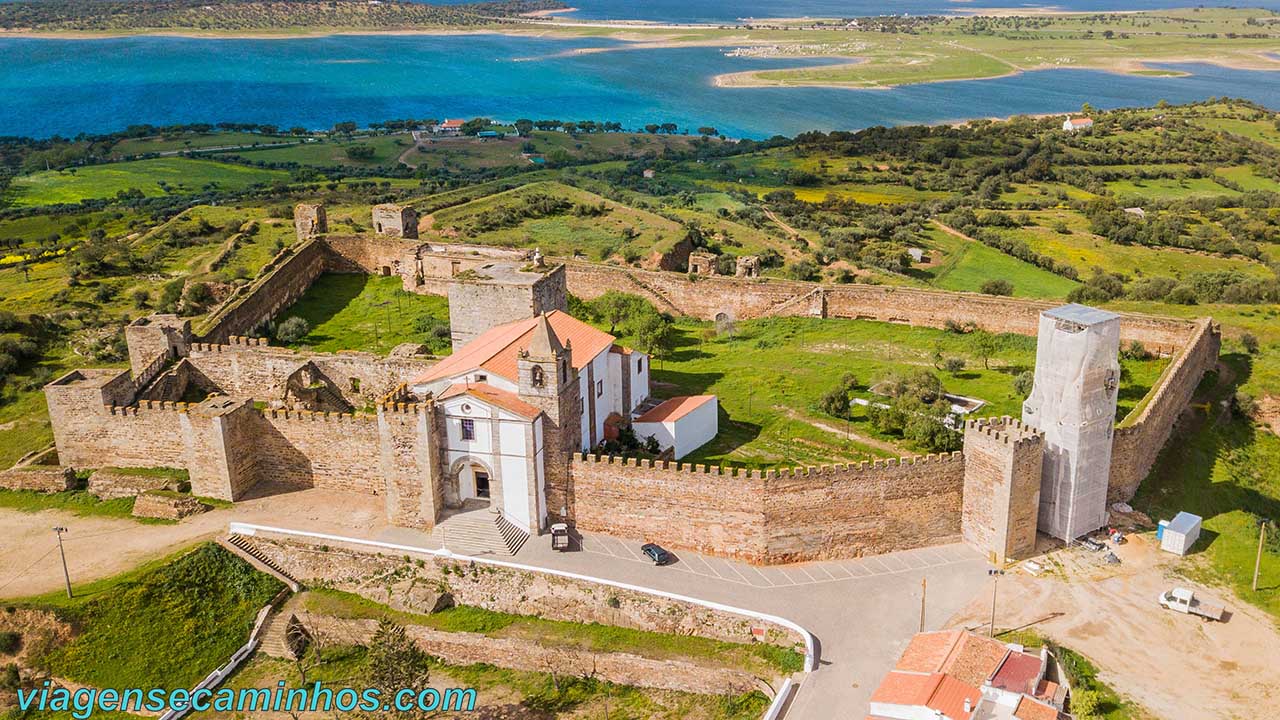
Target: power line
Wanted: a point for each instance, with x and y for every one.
(15, 578)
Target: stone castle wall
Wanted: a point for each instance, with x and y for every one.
(862, 509)
(773, 516)
(1003, 468)
(244, 366)
(1138, 443)
(291, 274)
(743, 298)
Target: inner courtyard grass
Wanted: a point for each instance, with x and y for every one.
(365, 312)
(769, 375)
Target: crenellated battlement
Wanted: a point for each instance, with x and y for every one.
(1005, 429)
(813, 471)
(148, 406)
(315, 416)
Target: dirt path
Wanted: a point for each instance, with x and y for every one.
(778, 221)
(856, 437)
(1175, 665)
(98, 547)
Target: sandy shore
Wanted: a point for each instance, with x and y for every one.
(1259, 60)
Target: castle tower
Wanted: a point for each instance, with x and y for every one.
(548, 381)
(309, 220)
(1073, 401)
(1003, 462)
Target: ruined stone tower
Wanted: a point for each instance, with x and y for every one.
(309, 221)
(1073, 402)
(548, 381)
(395, 220)
(1002, 473)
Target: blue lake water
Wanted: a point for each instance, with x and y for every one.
(72, 86)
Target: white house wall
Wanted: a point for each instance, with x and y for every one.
(696, 428)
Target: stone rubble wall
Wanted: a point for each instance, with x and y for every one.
(165, 507)
(459, 648)
(38, 478)
(109, 484)
(256, 370)
(399, 581)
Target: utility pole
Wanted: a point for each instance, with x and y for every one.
(995, 585)
(65, 575)
(1257, 562)
(924, 587)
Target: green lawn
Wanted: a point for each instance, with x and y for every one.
(769, 375)
(182, 176)
(365, 312)
(165, 625)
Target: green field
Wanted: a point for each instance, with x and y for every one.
(165, 625)
(619, 230)
(968, 264)
(364, 312)
(194, 141)
(333, 152)
(181, 176)
(1169, 189)
(1085, 251)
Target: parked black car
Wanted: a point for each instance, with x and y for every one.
(655, 553)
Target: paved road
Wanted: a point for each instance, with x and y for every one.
(862, 611)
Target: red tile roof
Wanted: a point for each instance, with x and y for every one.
(901, 688)
(453, 123)
(1019, 673)
(968, 657)
(1032, 709)
(496, 349)
(933, 690)
(675, 408)
(494, 396)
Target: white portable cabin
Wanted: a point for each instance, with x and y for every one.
(1179, 534)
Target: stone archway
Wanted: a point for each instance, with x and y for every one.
(471, 484)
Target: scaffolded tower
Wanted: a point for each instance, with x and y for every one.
(1073, 402)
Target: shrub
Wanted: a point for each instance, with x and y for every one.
(292, 330)
(997, 287)
(1023, 381)
(953, 365)
(1182, 295)
(1250, 343)
(10, 641)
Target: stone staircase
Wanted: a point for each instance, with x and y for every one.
(479, 532)
(242, 546)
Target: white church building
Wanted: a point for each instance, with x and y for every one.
(496, 391)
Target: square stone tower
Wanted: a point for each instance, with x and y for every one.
(1073, 401)
(548, 381)
(1003, 462)
(310, 220)
(395, 220)
(497, 293)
